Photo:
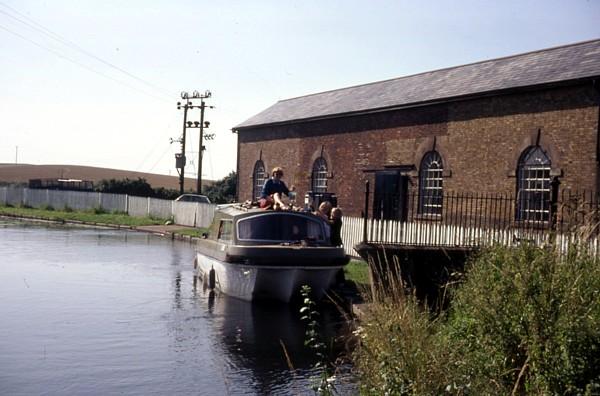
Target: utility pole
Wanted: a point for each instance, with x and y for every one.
(180, 159)
(201, 146)
(201, 125)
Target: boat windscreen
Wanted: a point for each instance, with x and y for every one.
(280, 228)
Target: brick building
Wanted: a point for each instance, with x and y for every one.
(516, 125)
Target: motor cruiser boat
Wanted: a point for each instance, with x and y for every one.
(265, 254)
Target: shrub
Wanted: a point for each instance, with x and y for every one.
(99, 210)
(529, 319)
(222, 191)
(399, 352)
(524, 320)
(139, 187)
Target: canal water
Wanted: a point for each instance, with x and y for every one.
(104, 312)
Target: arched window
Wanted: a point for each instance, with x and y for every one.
(430, 184)
(258, 179)
(319, 175)
(533, 185)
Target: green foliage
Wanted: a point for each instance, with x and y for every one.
(166, 193)
(222, 191)
(358, 272)
(523, 321)
(47, 207)
(398, 352)
(192, 232)
(530, 320)
(139, 187)
(312, 340)
(99, 210)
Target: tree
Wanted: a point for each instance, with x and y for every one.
(224, 190)
(139, 187)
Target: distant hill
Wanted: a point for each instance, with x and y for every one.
(21, 173)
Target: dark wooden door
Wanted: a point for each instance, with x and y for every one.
(390, 196)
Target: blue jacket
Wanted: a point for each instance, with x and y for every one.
(273, 186)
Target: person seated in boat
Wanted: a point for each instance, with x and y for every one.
(324, 210)
(273, 190)
(335, 222)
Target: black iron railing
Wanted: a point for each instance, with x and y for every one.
(473, 219)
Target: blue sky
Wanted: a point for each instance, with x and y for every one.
(96, 83)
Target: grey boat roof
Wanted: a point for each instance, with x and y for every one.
(232, 209)
(236, 209)
(568, 63)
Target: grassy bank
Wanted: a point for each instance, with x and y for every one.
(357, 271)
(521, 321)
(192, 232)
(92, 216)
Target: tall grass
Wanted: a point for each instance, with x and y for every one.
(522, 320)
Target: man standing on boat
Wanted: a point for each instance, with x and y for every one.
(271, 196)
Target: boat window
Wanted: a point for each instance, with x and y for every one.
(280, 228)
(225, 230)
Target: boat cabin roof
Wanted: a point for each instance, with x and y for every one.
(260, 227)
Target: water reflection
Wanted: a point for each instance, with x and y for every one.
(91, 311)
(255, 338)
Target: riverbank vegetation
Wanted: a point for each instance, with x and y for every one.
(94, 216)
(138, 187)
(520, 321)
(192, 232)
(219, 192)
(357, 271)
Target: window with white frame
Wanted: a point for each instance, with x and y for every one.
(431, 184)
(259, 176)
(533, 185)
(319, 175)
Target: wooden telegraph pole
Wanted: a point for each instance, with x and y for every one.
(180, 159)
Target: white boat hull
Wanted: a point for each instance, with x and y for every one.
(279, 282)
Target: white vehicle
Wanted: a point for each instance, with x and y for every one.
(193, 198)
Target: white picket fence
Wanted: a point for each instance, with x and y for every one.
(435, 234)
(352, 230)
(183, 213)
(201, 215)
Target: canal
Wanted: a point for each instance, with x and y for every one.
(98, 311)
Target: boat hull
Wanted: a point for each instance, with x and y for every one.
(277, 282)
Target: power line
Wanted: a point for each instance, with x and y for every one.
(81, 64)
(160, 159)
(157, 143)
(49, 33)
(148, 154)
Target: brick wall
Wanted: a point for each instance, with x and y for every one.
(480, 141)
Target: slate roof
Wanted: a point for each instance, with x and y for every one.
(553, 65)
